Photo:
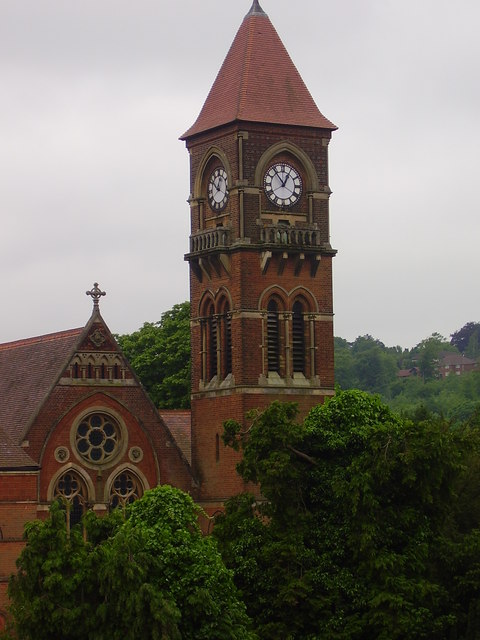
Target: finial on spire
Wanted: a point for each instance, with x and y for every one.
(96, 294)
(256, 9)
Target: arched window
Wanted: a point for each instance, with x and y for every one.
(273, 337)
(126, 488)
(226, 338)
(298, 338)
(216, 331)
(70, 490)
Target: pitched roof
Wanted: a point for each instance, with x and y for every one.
(258, 82)
(179, 422)
(12, 456)
(28, 370)
(452, 359)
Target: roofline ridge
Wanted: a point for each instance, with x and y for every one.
(46, 337)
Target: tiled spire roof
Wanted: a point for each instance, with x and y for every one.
(258, 82)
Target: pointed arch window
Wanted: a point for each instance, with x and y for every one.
(226, 338)
(70, 490)
(126, 488)
(298, 338)
(273, 336)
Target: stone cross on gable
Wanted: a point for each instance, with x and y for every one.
(96, 294)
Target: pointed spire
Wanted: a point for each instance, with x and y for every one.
(258, 82)
(256, 10)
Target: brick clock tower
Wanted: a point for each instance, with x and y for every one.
(260, 255)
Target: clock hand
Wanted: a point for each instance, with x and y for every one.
(284, 183)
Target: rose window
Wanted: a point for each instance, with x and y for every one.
(97, 438)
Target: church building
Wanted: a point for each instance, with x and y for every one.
(75, 422)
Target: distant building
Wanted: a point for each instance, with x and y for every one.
(408, 373)
(454, 364)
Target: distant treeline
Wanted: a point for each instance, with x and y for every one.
(369, 365)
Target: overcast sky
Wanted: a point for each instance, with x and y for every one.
(94, 181)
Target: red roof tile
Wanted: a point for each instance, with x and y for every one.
(28, 370)
(12, 456)
(453, 359)
(258, 82)
(179, 422)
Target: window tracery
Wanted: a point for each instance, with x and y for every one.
(70, 490)
(97, 438)
(126, 488)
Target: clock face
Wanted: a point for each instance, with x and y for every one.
(218, 189)
(282, 184)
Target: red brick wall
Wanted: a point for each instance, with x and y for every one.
(246, 282)
(162, 460)
(13, 516)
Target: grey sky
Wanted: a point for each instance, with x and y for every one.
(94, 182)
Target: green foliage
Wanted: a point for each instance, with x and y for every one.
(467, 339)
(159, 353)
(150, 576)
(53, 594)
(428, 354)
(369, 528)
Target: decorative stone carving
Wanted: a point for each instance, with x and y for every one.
(135, 454)
(61, 454)
(97, 338)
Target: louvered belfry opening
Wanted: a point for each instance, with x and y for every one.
(273, 337)
(227, 343)
(298, 338)
(212, 344)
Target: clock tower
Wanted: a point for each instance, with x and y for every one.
(260, 254)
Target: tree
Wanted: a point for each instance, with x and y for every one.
(428, 353)
(369, 526)
(467, 339)
(345, 375)
(159, 353)
(153, 576)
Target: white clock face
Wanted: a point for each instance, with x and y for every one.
(282, 184)
(218, 189)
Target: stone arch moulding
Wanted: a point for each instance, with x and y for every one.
(120, 469)
(222, 294)
(208, 297)
(273, 291)
(302, 157)
(71, 466)
(213, 152)
(306, 295)
(211, 297)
